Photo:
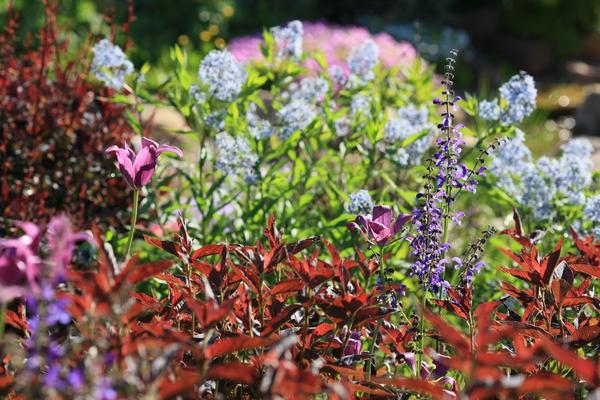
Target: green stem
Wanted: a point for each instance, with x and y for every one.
(421, 335)
(372, 349)
(376, 332)
(3, 320)
(136, 196)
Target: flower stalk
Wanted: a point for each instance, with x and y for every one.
(134, 216)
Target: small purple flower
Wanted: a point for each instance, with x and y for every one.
(138, 169)
(57, 312)
(76, 379)
(354, 345)
(53, 377)
(410, 360)
(105, 391)
(379, 227)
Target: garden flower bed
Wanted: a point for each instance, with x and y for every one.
(336, 223)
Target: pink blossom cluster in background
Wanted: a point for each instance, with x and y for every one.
(336, 42)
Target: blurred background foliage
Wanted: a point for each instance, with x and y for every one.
(497, 38)
(559, 26)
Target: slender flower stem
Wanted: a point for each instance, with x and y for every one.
(421, 333)
(136, 196)
(3, 309)
(376, 332)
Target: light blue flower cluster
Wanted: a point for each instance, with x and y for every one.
(489, 110)
(520, 94)
(258, 127)
(360, 106)
(362, 60)
(197, 95)
(541, 186)
(110, 64)
(517, 101)
(338, 76)
(312, 89)
(360, 203)
(289, 40)
(234, 157)
(538, 191)
(509, 163)
(296, 115)
(591, 214)
(223, 75)
(407, 122)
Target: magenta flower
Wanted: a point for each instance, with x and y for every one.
(61, 241)
(138, 169)
(379, 227)
(353, 347)
(20, 265)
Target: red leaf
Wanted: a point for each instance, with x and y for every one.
(546, 382)
(209, 250)
(237, 343)
(281, 318)
(453, 308)
(135, 273)
(13, 319)
(165, 245)
(290, 285)
(559, 288)
(586, 269)
(584, 335)
(185, 383)
(236, 372)
(414, 385)
(449, 334)
(297, 247)
(586, 369)
(484, 310)
(208, 313)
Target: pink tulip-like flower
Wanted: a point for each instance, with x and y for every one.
(138, 169)
(20, 265)
(380, 226)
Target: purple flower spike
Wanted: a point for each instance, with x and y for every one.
(379, 227)
(138, 169)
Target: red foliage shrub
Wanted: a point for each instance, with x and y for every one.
(267, 321)
(54, 127)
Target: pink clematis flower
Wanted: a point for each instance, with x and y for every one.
(138, 169)
(379, 227)
(20, 265)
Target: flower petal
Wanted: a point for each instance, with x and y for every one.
(383, 215)
(144, 165)
(146, 142)
(400, 221)
(125, 163)
(379, 232)
(172, 149)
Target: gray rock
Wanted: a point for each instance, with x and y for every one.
(587, 118)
